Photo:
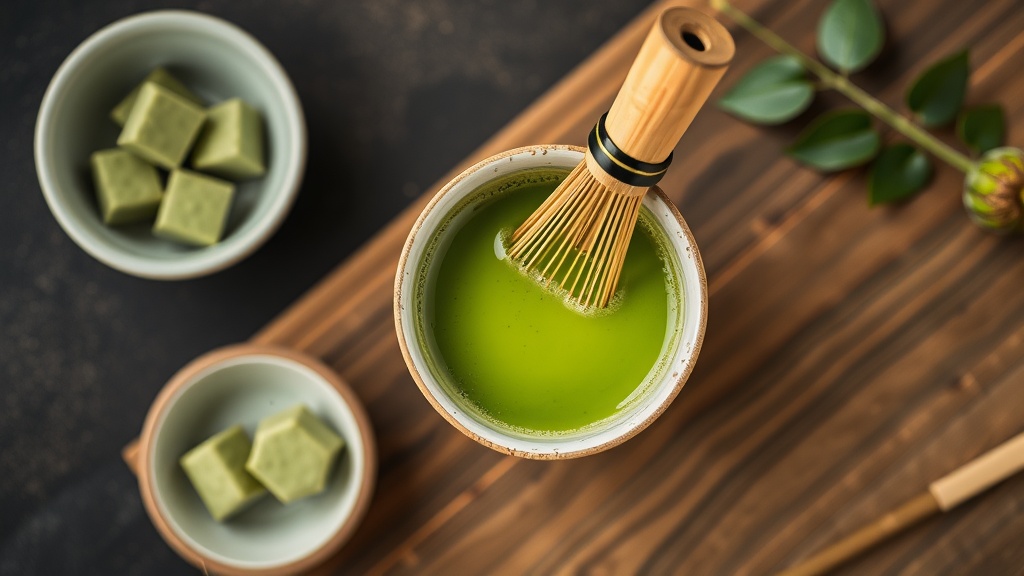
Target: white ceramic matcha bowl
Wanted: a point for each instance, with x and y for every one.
(216, 60)
(243, 384)
(410, 318)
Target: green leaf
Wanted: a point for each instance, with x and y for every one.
(982, 128)
(899, 172)
(837, 140)
(850, 35)
(936, 96)
(773, 92)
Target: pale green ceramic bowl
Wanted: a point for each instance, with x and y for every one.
(244, 384)
(217, 60)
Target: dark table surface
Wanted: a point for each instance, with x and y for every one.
(395, 93)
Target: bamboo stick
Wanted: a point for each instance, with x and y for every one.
(943, 495)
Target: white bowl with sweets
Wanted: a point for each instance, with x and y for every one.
(242, 388)
(215, 62)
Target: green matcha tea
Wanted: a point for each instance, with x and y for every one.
(517, 352)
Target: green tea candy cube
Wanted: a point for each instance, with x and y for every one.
(127, 187)
(162, 126)
(216, 469)
(231, 143)
(158, 76)
(293, 453)
(194, 209)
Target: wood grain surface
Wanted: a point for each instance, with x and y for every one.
(852, 354)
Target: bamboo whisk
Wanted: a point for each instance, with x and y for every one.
(580, 234)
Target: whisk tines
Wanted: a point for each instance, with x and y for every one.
(578, 238)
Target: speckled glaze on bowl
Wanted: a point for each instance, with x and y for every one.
(243, 384)
(217, 60)
(455, 201)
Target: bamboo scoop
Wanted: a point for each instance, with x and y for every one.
(943, 495)
(591, 215)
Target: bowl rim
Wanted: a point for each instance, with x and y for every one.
(185, 378)
(678, 379)
(198, 263)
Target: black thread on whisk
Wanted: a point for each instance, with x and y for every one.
(620, 165)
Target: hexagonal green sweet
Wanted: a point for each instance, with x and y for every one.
(194, 209)
(158, 76)
(127, 187)
(231, 143)
(162, 126)
(293, 453)
(217, 471)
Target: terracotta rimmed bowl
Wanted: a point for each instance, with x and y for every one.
(241, 385)
(438, 221)
(217, 61)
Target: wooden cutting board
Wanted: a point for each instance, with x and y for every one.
(852, 354)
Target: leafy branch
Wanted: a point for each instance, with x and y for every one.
(850, 37)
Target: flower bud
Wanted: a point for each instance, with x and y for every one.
(992, 190)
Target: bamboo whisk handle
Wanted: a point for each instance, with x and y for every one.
(680, 63)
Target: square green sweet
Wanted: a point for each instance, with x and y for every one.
(127, 187)
(158, 76)
(216, 469)
(194, 209)
(162, 126)
(231, 143)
